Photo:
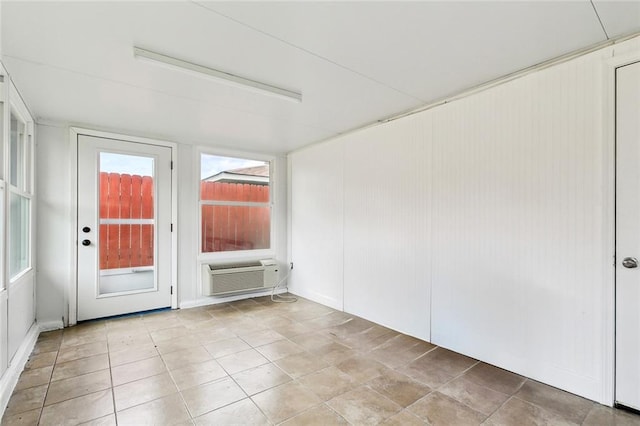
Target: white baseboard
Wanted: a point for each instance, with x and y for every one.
(10, 378)
(205, 301)
(319, 298)
(50, 325)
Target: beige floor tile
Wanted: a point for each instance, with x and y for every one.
(137, 370)
(208, 397)
(398, 351)
(403, 418)
(77, 339)
(477, 397)
(206, 337)
(568, 406)
(448, 361)
(74, 387)
(364, 406)
(82, 351)
(169, 333)
(132, 354)
(334, 353)
(601, 415)
(144, 390)
(495, 378)
(241, 361)
(438, 409)
(311, 341)
(261, 338)
(168, 410)
(80, 367)
(26, 400)
(361, 368)
(243, 412)
(260, 378)
(180, 359)
(27, 418)
(177, 344)
(280, 349)
(522, 413)
(78, 410)
(227, 347)
(35, 377)
(285, 401)
(44, 359)
(197, 374)
(301, 364)
(328, 383)
(399, 388)
(291, 330)
(126, 341)
(46, 346)
(109, 420)
(320, 415)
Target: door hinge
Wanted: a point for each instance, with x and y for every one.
(172, 227)
(171, 164)
(172, 290)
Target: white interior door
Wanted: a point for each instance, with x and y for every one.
(628, 235)
(124, 227)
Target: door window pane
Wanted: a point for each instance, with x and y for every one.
(127, 223)
(19, 238)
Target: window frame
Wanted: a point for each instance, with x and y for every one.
(271, 204)
(16, 107)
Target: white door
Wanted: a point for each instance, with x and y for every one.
(124, 227)
(628, 235)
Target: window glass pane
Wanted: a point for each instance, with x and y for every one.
(18, 234)
(231, 228)
(16, 152)
(234, 179)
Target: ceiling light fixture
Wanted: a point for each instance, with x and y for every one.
(217, 75)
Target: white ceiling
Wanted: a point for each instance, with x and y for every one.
(354, 62)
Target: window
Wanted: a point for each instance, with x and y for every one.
(234, 204)
(20, 193)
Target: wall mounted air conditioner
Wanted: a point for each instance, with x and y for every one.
(238, 277)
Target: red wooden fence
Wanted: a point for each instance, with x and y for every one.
(228, 228)
(224, 228)
(126, 197)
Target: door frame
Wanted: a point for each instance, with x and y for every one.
(71, 292)
(609, 218)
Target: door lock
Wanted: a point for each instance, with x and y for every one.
(86, 229)
(86, 243)
(630, 262)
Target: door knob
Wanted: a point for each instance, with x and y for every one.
(86, 242)
(630, 262)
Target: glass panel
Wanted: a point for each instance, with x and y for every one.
(127, 223)
(231, 228)
(18, 234)
(16, 152)
(233, 179)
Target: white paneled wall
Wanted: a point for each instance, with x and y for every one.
(385, 224)
(318, 242)
(480, 225)
(3, 332)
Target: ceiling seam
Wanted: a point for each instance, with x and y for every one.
(595, 10)
(161, 92)
(302, 49)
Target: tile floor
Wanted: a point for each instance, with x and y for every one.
(255, 362)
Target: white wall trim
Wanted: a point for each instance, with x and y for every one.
(609, 195)
(71, 302)
(206, 301)
(10, 378)
(50, 326)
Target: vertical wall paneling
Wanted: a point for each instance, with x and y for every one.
(3, 332)
(384, 219)
(482, 224)
(317, 192)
